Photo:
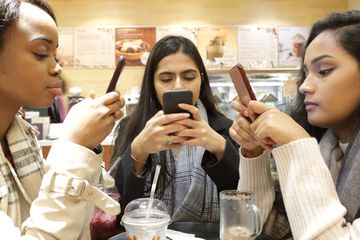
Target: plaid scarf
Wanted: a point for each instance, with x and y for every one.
(191, 194)
(27, 172)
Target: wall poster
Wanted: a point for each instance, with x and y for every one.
(258, 46)
(134, 44)
(291, 45)
(66, 46)
(94, 47)
(188, 32)
(217, 46)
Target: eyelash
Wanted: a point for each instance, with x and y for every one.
(184, 78)
(41, 56)
(189, 78)
(325, 72)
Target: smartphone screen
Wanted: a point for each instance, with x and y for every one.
(172, 98)
(242, 84)
(119, 67)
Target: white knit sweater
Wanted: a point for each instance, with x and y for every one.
(312, 205)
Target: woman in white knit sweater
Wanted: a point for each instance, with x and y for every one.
(319, 195)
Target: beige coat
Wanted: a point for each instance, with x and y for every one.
(60, 193)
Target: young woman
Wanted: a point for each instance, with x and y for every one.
(319, 182)
(197, 156)
(52, 199)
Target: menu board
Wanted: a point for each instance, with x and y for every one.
(257, 46)
(291, 45)
(94, 47)
(134, 44)
(66, 46)
(217, 46)
(188, 32)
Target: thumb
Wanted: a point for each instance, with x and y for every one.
(238, 106)
(257, 108)
(92, 94)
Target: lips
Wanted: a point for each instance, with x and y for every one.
(310, 105)
(56, 88)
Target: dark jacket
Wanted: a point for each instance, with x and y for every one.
(224, 173)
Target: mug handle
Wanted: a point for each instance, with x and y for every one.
(256, 217)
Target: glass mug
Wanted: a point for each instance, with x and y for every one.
(239, 219)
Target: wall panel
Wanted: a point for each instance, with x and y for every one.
(166, 12)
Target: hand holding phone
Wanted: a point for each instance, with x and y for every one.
(172, 98)
(116, 75)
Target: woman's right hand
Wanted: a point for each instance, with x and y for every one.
(157, 133)
(91, 120)
(241, 132)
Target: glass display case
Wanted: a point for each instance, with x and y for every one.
(276, 87)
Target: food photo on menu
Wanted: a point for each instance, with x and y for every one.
(134, 44)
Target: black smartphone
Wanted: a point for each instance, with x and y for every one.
(172, 98)
(116, 75)
(242, 84)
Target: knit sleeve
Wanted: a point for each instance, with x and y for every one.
(312, 205)
(255, 177)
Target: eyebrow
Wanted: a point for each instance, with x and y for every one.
(189, 71)
(184, 72)
(317, 59)
(42, 38)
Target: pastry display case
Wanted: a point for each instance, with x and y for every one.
(276, 86)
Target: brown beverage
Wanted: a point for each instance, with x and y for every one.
(236, 233)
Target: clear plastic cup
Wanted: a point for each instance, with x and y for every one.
(143, 223)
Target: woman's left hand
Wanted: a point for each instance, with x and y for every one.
(274, 126)
(200, 133)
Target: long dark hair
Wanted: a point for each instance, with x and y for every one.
(148, 103)
(9, 14)
(346, 27)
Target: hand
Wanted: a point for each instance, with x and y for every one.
(198, 132)
(241, 132)
(156, 135)
(91, 120)
(274, 126)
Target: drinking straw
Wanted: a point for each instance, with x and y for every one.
(153, 187)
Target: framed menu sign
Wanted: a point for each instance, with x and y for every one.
(94, 47)
(257, 46)
(134, 44)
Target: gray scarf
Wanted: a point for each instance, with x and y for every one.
(347, 178)
(191, 194)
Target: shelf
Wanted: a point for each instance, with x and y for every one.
(268, 70)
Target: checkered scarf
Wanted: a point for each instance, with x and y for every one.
(191, 194)
(27, 173)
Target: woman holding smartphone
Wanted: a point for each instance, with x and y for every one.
(319, 183)
(53, 199)
(197, 157)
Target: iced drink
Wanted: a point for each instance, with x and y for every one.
(143, 223)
